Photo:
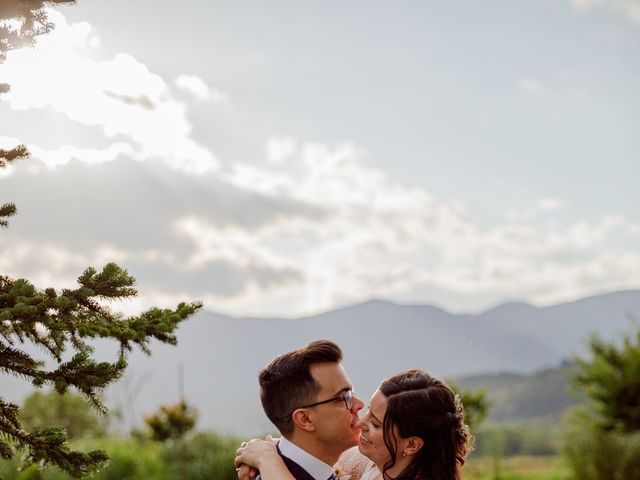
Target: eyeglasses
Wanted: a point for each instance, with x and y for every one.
(346, 396)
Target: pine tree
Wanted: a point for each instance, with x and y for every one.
(65, 322)
(172, 421)
(603, 436)
(611, 380)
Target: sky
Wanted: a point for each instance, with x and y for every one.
(286, 158)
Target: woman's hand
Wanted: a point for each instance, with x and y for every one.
(255, 452)
(245, 472)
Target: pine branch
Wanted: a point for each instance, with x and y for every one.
(7, 157)
(65, 321)
(6, 210)
(18, 362)
(48, 446)
(17, 153)
(34, 22)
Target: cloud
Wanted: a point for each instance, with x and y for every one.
(198, 88)
(312, 227)
(280, 149)
(121, 96)
(317, 229)
(67, 153)
(630, 8)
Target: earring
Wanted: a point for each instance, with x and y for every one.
(404, 454)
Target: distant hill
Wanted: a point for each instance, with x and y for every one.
(543, 395)
(222, 355)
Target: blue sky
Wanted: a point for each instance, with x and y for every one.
(284, 158)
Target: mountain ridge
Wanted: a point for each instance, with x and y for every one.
(221, 356)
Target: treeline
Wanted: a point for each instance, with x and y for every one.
(203, 456)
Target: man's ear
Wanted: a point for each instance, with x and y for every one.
(303, 420)
(412, 445)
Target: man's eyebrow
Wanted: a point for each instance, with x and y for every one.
(344, 390)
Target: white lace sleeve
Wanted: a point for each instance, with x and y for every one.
(357, 466)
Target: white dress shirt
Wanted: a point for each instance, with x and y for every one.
(314, 467)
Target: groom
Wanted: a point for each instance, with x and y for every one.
(307, 395)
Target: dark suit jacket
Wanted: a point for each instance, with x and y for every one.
(295, 469)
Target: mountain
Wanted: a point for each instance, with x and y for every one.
(543, 395)
(221, 355)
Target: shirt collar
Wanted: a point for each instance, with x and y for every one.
(314, 467)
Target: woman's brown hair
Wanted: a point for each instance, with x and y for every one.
(419, 405)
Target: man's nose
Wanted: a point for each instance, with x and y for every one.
(357, 404)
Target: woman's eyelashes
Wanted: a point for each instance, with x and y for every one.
(371, 419)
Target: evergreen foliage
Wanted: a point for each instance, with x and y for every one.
(475, 402)
(63, 323)
(611, 380)
(59, 322)
(596, 454)
(71, 411)
(171, 422)
(476, 406)
(603, 438)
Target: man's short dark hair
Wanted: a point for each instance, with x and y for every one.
(286, 383)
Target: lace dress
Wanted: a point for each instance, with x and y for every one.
(357, 466)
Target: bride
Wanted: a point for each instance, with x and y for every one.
(413, 430)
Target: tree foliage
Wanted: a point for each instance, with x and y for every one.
(71, 411)
(603, 436)
(475, 402)
(171, 422)
(611, 381)
(21, 22)
(476, 406)
(62, 324)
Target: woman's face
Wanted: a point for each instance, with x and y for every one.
(371, 435)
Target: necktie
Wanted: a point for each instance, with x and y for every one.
(333, 477)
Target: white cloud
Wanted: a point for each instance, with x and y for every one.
(280, 149)
(199, 89)
(119, 95)
(65, 154)
(313, 227)
(326, 229)
(630, 8)
(383, 238)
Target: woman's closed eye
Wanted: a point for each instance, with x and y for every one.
(372, 420)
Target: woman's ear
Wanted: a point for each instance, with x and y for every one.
(412, 445)
(303, 420)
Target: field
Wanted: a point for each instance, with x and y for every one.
(516, 468)
(146, 463)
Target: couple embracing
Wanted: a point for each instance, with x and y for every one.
(413, 429)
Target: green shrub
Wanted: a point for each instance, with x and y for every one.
(513, 440)
(205, 456)
(131, 459)
(596, 454)
(9, 470)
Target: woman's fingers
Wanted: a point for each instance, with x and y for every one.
(245, 472)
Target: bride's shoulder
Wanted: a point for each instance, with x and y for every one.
(356, 465)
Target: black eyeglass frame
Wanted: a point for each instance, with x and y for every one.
(346, 396)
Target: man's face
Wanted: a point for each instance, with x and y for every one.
(336, 427)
